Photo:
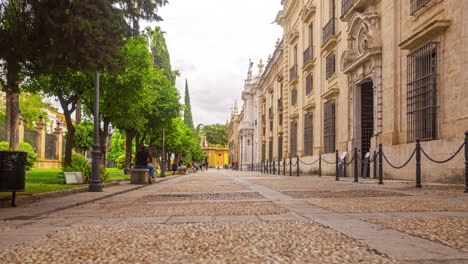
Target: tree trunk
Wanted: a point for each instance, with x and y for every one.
(78, 112)
(130, 135)
(103, 135)
(70, 128)
(12, 94)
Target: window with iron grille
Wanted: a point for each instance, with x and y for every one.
(280, 147)
(422, 93)
(417, 4)
(271, 125)
(330, 65)
(293, 139)
(264, 131)
(309, 83)
(280, 119)
(329, 127)
(308, 135)
(293, 96)
(270, 150)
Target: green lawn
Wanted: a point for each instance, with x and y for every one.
(115, 173)
(43, 180)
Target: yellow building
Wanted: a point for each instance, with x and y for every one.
(216, 156)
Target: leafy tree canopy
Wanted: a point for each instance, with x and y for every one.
(84, 135)
(31, 105)
(216, 134)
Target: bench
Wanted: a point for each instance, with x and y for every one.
(181, 171)
(140, 176)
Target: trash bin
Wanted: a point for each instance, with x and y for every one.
(12, 172)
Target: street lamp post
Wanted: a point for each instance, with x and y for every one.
(163, 161)
(95, 185)
(252, 152)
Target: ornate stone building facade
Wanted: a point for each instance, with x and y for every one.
(359, 73)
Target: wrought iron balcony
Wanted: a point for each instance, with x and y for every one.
(345, 6)
(329, 30)
(293, 72)
(270, 111)
(263, 118)
(417, 4)
(308, 54)
(280, 103)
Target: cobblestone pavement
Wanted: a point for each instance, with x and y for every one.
(243, 217)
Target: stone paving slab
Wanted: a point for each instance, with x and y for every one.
(203, 188)
(390, 204)
(204, 196)
(450, 231)
(252, 242)
(340, 194)
(196, 209)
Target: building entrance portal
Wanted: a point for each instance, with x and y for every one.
(367, 117)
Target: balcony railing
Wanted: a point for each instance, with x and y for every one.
(293, 72)
(263, 118)
(270, 111)
(417, 4)
(345, 5)
(308, 55)
(293, 96)
(329, 30)
(280, 103)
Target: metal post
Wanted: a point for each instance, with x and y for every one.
(279, 166)
(337, 168)
(375, 165)
(274, 167)
(297, 169)
(418, 163)
(320, 165)
(284, 167)
(380, 164)
(95, 184)
(290, 166)
(466, 161)
(252, 152)
(163, 160)
(344, 167)
(355, 165)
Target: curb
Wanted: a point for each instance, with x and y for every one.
(30, 198)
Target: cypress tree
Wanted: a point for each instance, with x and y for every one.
(188, 109)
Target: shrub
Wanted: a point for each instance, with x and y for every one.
(79, 163)
(120, 162)
(23, 146)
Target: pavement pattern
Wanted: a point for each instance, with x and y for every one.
(242, 217)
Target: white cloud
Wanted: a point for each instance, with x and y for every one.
(211, 42)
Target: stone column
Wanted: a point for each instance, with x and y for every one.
(58, 145)
(20, 129)
(41, 134)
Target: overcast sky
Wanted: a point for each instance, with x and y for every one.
(211, 42)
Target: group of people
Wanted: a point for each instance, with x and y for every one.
(235, 165)
(143, 160)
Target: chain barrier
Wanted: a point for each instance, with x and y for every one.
(444, 161)
(402, 166)
(374, 158)
(327, 161)
(348, 163)
(309, 163)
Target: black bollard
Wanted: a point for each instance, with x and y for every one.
(418, 163)
(290, 166)
(375, 165)
(466, 161)
(337, 166)
(284, 166)
(380, 164)
(320, 165)
(297, 169)
(274, 167)
(279, 166)
(344, 167)
(355, 165)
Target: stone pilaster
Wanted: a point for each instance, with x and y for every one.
(41, 134)
(59, 145)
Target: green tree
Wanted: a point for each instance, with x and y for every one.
(216, 134)
(31, 105)
(160, 53)
(136, 10)
(188, 108)
(83, 135)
